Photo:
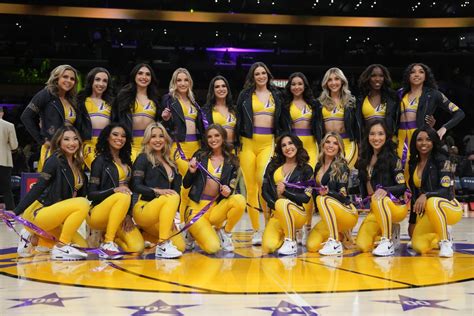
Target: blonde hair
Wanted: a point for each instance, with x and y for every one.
(165, 152)
(347, 98)
(78, 159)
(173, 84)
(52, 83)
(339, 161)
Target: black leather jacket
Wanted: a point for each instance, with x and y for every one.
(437, 178)
(429, 101)
(337, 187)
(298, 196)
(197, 181)
(55, 184)
(126, 117)
(391, 109)
(103, 180)
(350, 124)
(393, 181)
(244, 127)
(316, 119)
(145, 178)
(51, 112)
(176, 125)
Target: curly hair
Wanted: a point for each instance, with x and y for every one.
(279, 158)
(384, 157)
(103, 146)
(308, 96)
(339, 162)
(325, 98)
(250, 79)
(206, 151)
(107, 95)
(211, 96)
(78, 159)
(52, 83)
(429, 77)
(436, 151)
(364, 79)
(165, 152)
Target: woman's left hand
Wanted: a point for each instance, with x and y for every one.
(441, 132)
(420, 203)
(280, 188)
(225, 190)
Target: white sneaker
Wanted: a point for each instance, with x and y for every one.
(385, 248)
(226, 240)
(288, 248)
(331, 248)
(110, 251)
(189, 240)
(396, 235)
(257, 238)
(25, 248)
(167, 251)
(67, 252)
(446, 248)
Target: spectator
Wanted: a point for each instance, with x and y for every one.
(8, 142)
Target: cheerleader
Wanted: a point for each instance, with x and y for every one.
(433, 204)
(136, 104)
(56, 203)
(337, 213)
(259, 119)
(94, 102)
(156, 179)
(227, 208)
(381, 177)
(288, 165)
(336, 107)
(51, 108)
(110, 193)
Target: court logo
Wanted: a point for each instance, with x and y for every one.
(286, 308)
(50, 299)
(158, 307)
(409, 303)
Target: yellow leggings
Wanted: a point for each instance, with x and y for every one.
(109, 214)
(309, 143)
(230, 209)
(136, 146)
(351, 152)
(44, 154)
(130, 241)
(89, 151)
(254, 157)
(379, 221)
(433, 225)
(66, 215)
(290, 217)
(402, 135)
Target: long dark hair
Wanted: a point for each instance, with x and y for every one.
(364, 80)
(435, 152)
(429, 77)
(386, 155)
(211, 97)
(103, 147)
(206, 151)
(250, 80)
(125, 100)
(279, 158)
(107, 95)
(78, 159)
(308, 96)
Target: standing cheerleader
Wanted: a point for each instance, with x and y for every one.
(259, 119)
(136, 104)
(55, 105)
(288, 165)
(219, 108)
(94, 103)
(433, 204)
(110, 193)
(227, 208)
(156, 179)
(56, 203)
(337, 213)
(336, 107)
(381, 178)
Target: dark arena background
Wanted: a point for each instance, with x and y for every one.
(225, 37)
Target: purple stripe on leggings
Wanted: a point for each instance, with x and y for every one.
(302, 131)
(191, 138)
(408, 125)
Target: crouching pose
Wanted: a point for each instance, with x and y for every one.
(337, 213)
(56, 203)
(227, 208)
(110, 193)
(381, 177)
(289, 164)
(433, 204)
(156, 179)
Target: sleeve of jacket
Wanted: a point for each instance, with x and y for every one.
(341, 192)
(233, 179)
(445, 175)
(166, 103)
(300, 196)
(83, 191)
(12, 140)
(177, 182)
(94, 193)
(399, 178)
(359, 120)
(268, 193)
(392, 112)
(138, 177)
(30, 116)
(448, 106)
(238, 116)
(46, 177)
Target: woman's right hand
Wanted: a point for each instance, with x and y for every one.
(164, 191)
(166, 115)
(193, 165)
(123, 189)
(323, 190)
